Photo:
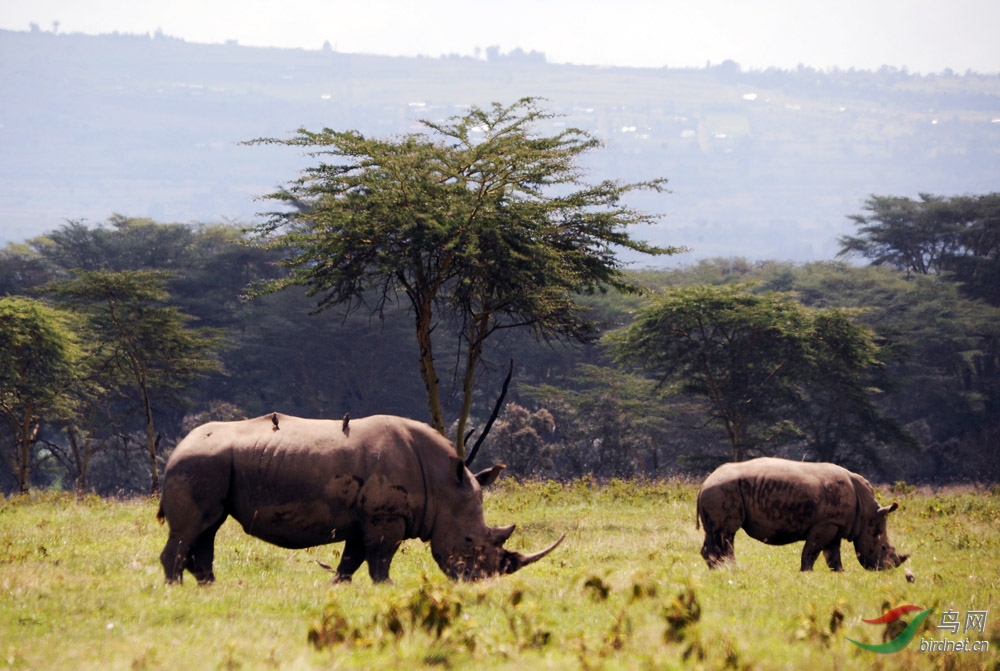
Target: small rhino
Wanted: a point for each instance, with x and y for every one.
(778, 501)
(299, 483)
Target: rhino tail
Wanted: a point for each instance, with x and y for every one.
(160, 517)
(697, 513)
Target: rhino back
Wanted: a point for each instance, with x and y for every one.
(781, 500)
(307, 482)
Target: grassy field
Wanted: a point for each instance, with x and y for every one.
(81, 587)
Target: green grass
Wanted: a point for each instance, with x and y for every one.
(81, 587)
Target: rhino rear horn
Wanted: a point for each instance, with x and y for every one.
(516, 561)
(502, 534)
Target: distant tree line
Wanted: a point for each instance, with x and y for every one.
(892, 368)
(118, 338)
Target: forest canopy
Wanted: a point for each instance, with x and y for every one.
(929, 387)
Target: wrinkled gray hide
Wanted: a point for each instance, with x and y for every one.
(777, 501)
(298, 483)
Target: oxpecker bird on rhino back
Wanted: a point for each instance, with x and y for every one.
(299, 483)
(778, 501)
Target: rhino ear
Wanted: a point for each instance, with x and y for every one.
(490, 475)
(458, 468)
(888, 509)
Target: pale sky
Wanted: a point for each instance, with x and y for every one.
(920, 35)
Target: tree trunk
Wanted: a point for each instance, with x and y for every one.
(427, 370)
(81, 459)
(737, 438)
(477, 333)
(151, 442)
(29, 432)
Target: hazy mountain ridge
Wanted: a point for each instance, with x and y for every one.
(766, 164)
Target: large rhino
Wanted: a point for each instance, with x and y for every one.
(299, 483)
(778, 501)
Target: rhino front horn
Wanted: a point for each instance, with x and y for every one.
(515, 560)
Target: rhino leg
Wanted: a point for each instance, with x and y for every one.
(819, 539)
(382, 539)
(203, 554)
(832, 555)
(175, 558)
(351, 560)
(718, 546)
(191, 543)
(197, 557)
(721, 511)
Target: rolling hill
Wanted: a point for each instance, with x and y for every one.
(762, 164)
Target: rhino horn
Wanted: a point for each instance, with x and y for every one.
(502, 534)
(515, 560)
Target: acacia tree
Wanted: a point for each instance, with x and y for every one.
(835, 407)
(482, 225)
(139, 341)
(38, 361)
(757, 359)
(94, 426)
(83, 444)
(958, 235)
(958, 239)
(916, 236)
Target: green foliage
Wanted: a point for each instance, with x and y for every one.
(682, 615)
(759, 361)
(812, 627)
(333, 629)
(913, 236)
(139, 341)
(957, 345)
(485, 223)
(597, 588)
(958, 236)
(434, 609)
(577, 416)
(123, 244)
(37, 351)
(957, 239)
(940, 359)
(39, 364)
